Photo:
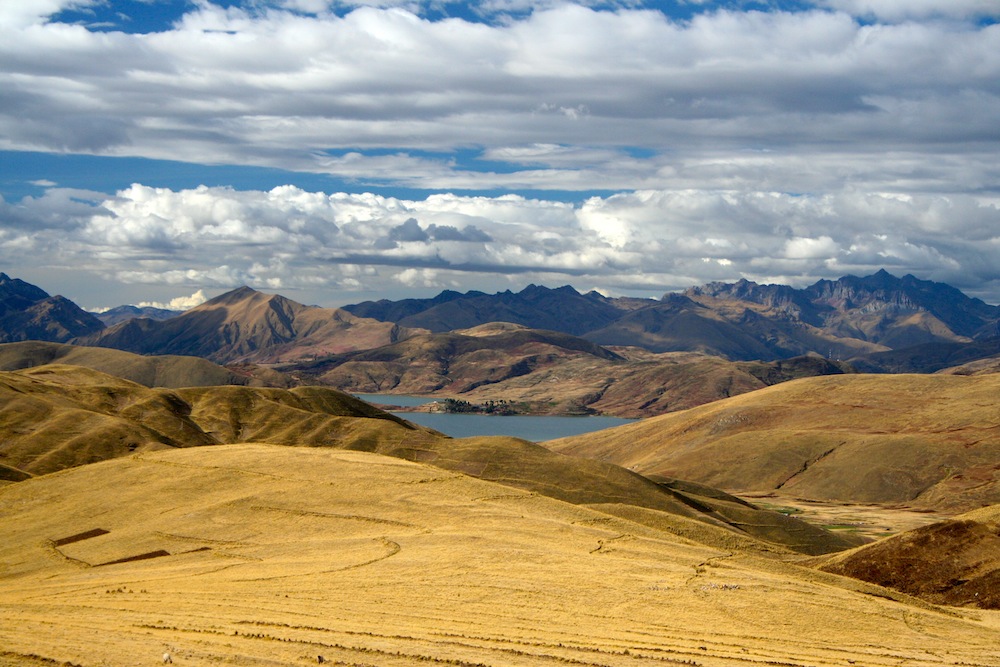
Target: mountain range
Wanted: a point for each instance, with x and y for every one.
(555, 350)
(847, 318)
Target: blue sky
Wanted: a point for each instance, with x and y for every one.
(164, 151)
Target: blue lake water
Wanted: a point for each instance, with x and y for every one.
(534, 428)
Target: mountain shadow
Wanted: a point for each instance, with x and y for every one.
(29, 313)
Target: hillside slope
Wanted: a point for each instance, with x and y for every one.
(955, 562)
(148, 370)
(57, 417)
(245, 325)
(547, 372)
(926, 441)
(264, 555)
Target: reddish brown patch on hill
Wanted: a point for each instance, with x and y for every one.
(952, 562)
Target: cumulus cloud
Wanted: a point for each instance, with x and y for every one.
(650, 241)
(381, 95)
(177, 303)
(774, 145)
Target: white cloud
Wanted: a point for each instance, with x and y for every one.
(290, 239)
(771, 144)
(177, 303)
(23, 13)
(555, 94)
(809, 248)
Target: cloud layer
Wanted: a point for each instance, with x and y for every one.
(841, 137)
(644, 241)
(799, 101)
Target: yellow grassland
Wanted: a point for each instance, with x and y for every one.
(277, 555)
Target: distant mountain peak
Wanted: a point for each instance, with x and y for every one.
(234, 296)
(30, 313)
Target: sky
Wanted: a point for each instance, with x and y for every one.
(166, 151)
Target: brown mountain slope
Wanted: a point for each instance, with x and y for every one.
(550, 372)
(262, 555)
(248, 326)
(147, 370)
(954, 562)
(28, 313)
(928, 441)
(56, 417)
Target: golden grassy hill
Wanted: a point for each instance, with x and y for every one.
(55, 417)
(58, 416)
(926, 441)
(149, 370)
(263, 555)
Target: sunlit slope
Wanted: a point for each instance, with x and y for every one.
(930, 441)
(150, 370)
(955, 562)
(247, 326)
(56, 417)
(265, 555)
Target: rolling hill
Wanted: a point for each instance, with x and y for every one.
(57, 417)
(258, 555)
(148, 370)
(929, 441)
(955, 562)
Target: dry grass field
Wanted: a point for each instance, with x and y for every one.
(251, 554)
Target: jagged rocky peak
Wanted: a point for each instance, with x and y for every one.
(884, 291)
(780, 297)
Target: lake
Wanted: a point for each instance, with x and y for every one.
(463, 425)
